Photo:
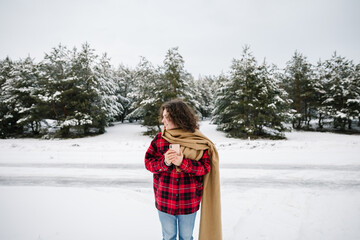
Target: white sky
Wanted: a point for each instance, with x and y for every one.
(209, 33)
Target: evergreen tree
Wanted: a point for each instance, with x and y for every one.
(19, 94)
(107, 96)
(78, 90)
(205, 95)
(71, 89)
(250, 101)
(320, 94)
(341, 91)
(299, 82)
(174, 73)
(81, 112)
(181, 83)
(148, 95)
(156, 86)
(7, 120)
(125, 81)
(355, 103)
(57, 80)
(223, 97)
(273, 104)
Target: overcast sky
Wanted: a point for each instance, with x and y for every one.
(209, 33)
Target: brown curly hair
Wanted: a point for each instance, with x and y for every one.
(181, 114)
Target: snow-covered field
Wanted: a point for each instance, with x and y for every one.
(306, 187)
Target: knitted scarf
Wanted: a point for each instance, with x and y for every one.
(193, 146)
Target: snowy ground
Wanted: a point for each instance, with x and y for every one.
(306, 187)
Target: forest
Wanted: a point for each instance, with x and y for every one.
(75, 93)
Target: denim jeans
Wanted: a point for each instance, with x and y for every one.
(170, 224)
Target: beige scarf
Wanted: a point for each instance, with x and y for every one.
(193, 146)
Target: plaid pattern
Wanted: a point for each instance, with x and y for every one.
(176, 193)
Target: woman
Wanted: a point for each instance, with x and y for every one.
(184, 179)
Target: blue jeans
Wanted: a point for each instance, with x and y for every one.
(170, 223)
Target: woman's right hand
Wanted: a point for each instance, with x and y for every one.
(170, 156)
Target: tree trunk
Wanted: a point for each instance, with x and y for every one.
(298, 101)
(32, 127)
(54, 110)
(64, 110)
(342, 124)
(174, 87)
(320, 121)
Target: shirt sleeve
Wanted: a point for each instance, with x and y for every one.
(154, 160)
(196, 168)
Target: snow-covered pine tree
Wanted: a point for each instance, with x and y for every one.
(156, 86)
(107, 97)
(190, 93)
(320, 94)
(174, 73)
(7, 122)
(223, 97)
(125, 81)
(19, 95)
(249, 101)
(71, 89)
(56, 79)
(273, 109)
(181, 83)
(81, 112)
(353, 102)
(205, 94)
(340, 95)
(148, 95)
(298, 81)
(235, 116)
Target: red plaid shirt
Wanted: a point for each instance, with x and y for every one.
(176, 193)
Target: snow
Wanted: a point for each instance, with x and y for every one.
(305, 187)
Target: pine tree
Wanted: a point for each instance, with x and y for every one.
(107, 97)
(223, 99)
(7, 121)
(173, 73)
(71, 89)
(320, 94)
(148, 95)
(19, 94)
(249, 101)
(355, 103)
(273, 110)
(205, 94)
(181, 83)
(298, 81)
(81, 113)
(236, 99)
(56, 79)
(154, 86)
(341, 91)
(125, 80)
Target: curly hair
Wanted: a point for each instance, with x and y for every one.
(181, 114)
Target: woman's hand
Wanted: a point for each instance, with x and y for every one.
(171, 156)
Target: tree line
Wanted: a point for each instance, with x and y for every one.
(261, 100)
(81, 93)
